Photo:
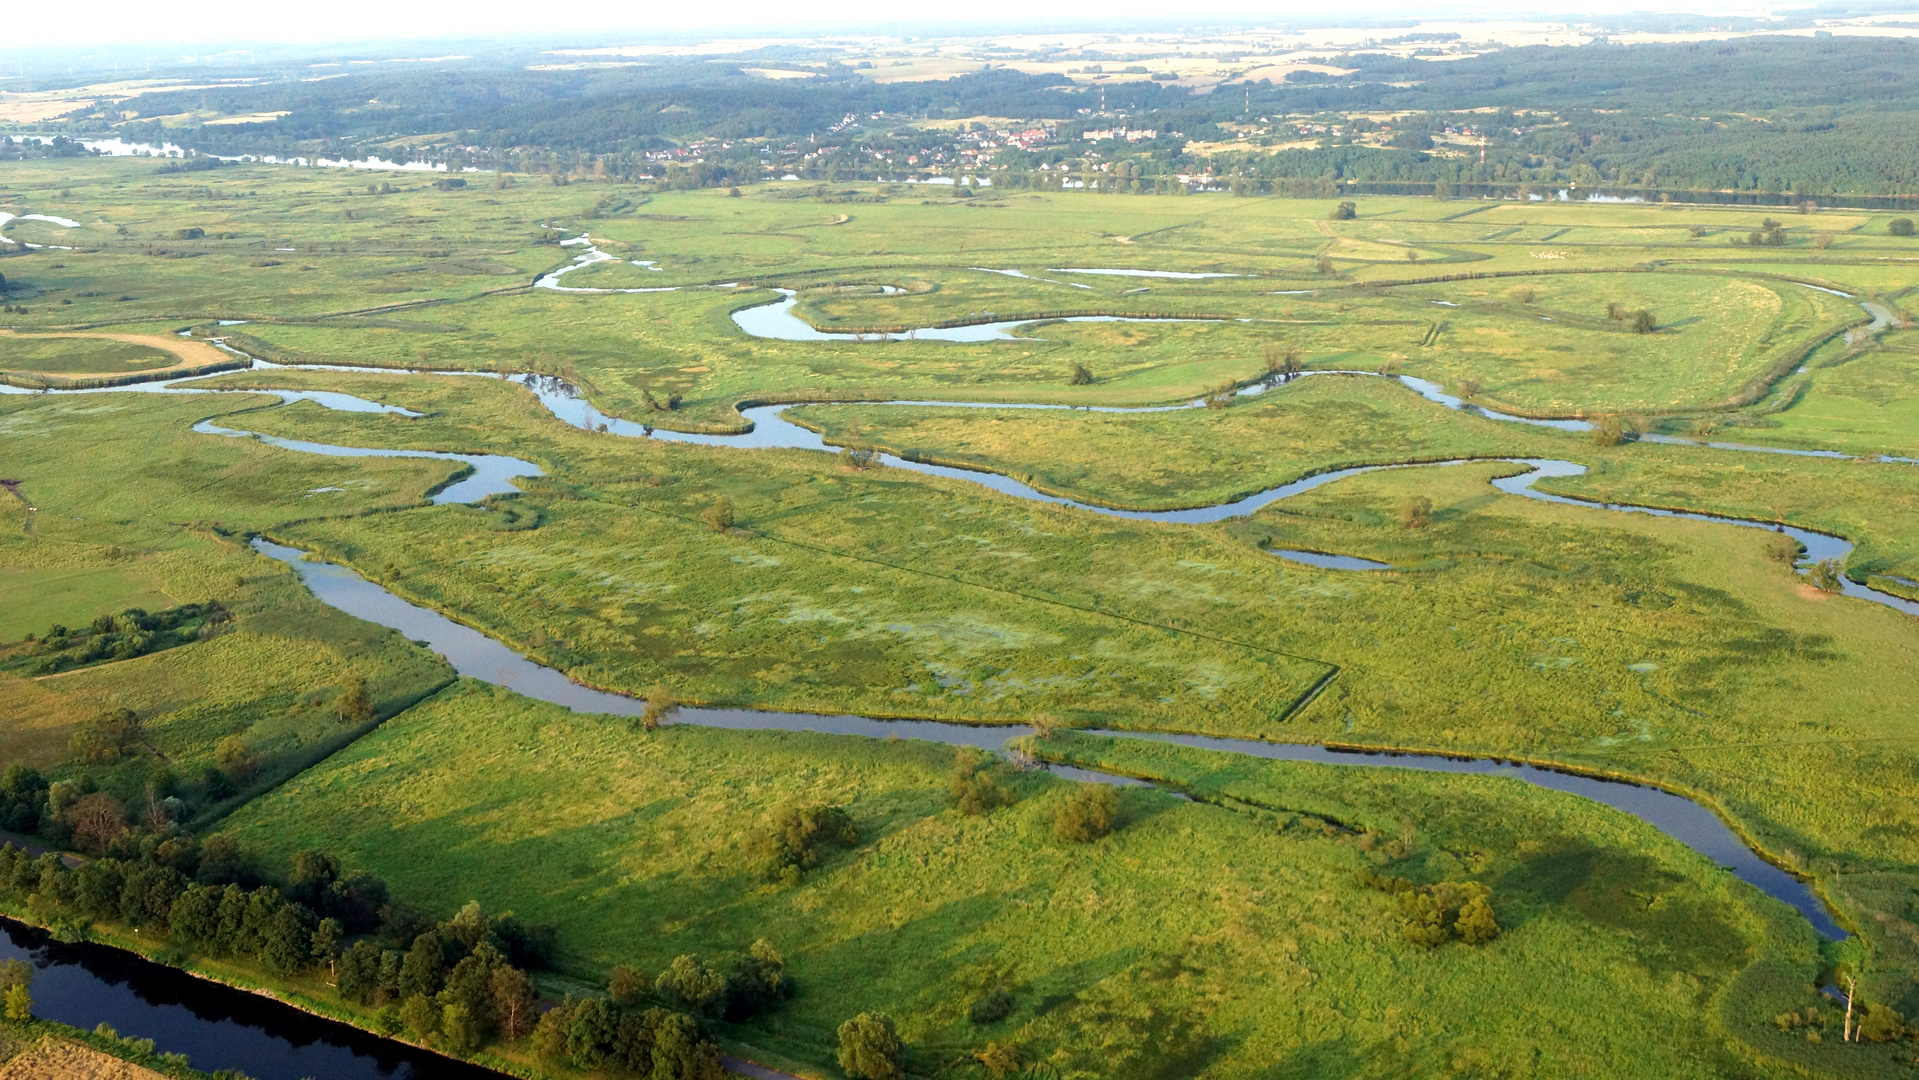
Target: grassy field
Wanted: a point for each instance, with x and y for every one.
(1630, 643)
(79, 356)
(156, 516)
(1224, 937)
(1217, 939)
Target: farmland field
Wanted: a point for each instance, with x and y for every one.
(1003, 548)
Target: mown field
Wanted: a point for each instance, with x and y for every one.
(1223, 937)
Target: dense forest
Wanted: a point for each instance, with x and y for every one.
(1799, 116)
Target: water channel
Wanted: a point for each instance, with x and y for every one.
(216, 1026)
(477, 656)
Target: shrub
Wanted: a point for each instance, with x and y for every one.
(719, 517)
(1829, 576)
(1608, 431)
(999, 1059)
(1643, 322)
(687, 983)
(1900, 226)
(974, 790)
(1416, 512)
(421, 1016)
(870, 1048)
(1079, 375)
(1881, 1024)
(661, 704)
(111, 734)
(1345, 211)
(991, 1007)
(1525, 296)
(625, 984)
(1782, 548)
(797, 837)
(354, 704)
(1087, 814)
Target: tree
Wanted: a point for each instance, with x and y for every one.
(798, 835)
(109, 735)
(514, 1005)
(1078, 374)
(326, 945)
(1416, 512)
(660, 706)
(1880, 1024)
(625, 984)
(353, 704)
(1468, 389)
(1325, 268)
(424, 969)
(1284, 363)
(357, 974)
(757, 981)
(96, 820)
(719, 516)
(16, 976)
(975, 792)
(235, 759)
(1643, 322)
(1476, 924)
(1829, 576)
(286, 945)
(459, 1033)
(870, 1048)
(689, 984)
(1608, 431)
(194, 920)
(1345, 211)
(681, 1050)
(421, 1016)
(1087, 814)
(1900, 226)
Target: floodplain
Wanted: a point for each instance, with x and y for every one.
(1236, 932)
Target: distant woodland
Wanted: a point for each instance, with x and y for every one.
(1803, 116)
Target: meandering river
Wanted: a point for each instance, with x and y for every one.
(223, 1028)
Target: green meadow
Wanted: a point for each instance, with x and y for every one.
(1226, 935)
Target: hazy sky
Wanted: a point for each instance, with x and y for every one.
(210, 22)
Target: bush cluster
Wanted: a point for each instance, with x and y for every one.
(799, 837)
(593, 1033)
(1437, 914)
(975, 790)
(133, 632)
(1087, 814)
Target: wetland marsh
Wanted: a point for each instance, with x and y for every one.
(1054, 521)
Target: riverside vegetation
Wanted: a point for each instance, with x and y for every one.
(825, 903)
